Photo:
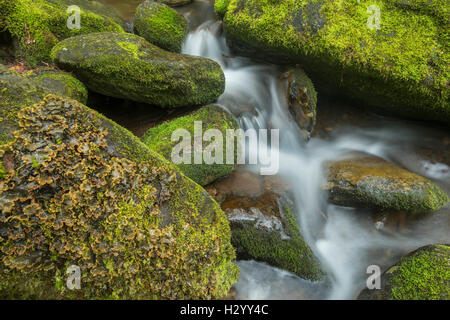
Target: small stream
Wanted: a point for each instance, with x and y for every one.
(348, 240)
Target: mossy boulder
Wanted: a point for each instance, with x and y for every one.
(79, 190)
(19, 91)
(301, 98)
(369, 181)
(41, 24)
(123, 65)
(210, 118)
(59, 83)
(263, 224)
(161, 25)
(421, 275)
(400, 69)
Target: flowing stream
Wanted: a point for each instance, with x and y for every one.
(345, 240)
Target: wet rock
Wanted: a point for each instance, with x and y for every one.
(397, 67)
(41, 24)
(373, 182)
(264, 227)
(127, 66)
(421, 275)
(59, 83)
(301, 98)
(212, 118)
(161, 25)
(86, 192)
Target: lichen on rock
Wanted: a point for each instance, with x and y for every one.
(369, 181)
(80, 190)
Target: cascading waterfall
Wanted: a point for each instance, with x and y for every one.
(344, 244)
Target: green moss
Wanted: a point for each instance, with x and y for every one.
(292, 254)
(127, 66)
(41, 24)
(161, 25)
(220, 7)
(424, 275)
(2, 171)
(59, 83)
(212, 117)
(137, 230)
(400, 69)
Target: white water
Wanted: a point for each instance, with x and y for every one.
(345, 244)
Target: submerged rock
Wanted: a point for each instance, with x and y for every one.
(301, 99)
(161, 25)
(19, 91)
(373, 182)
(421, 275)
(79, 190)
(59, 83)
(263, 225)
(399, 67)
(210, 118)
(41, 24)
(126, 66)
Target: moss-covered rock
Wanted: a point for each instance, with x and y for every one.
(373, 182)
(263, 225)
(161, 25)
(41, 24)
(211, 117)
(16, 93)
(123, 65)
(400, 69)
(59, 83)
(301, 99)
(19, 91)
(421, 275)
(81, 190)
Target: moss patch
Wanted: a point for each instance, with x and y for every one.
(422, 275)
(291, 254)
(161, 25)
(212, 117)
